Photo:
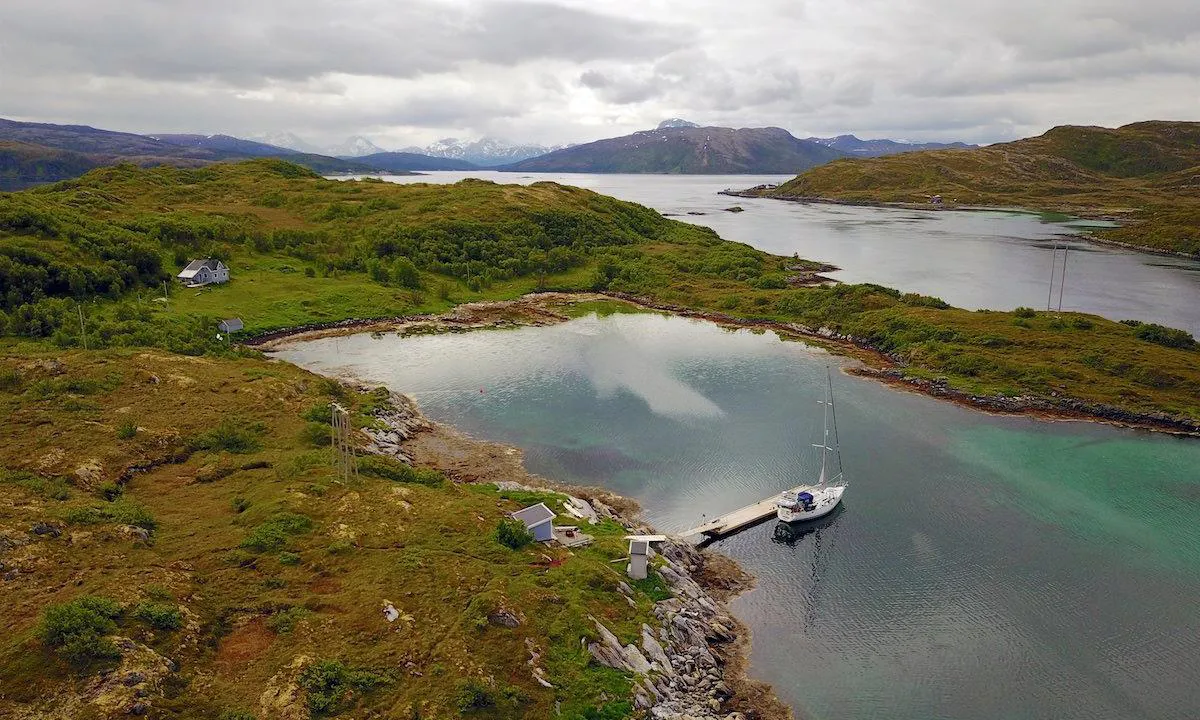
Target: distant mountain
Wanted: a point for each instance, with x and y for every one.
(485, 152)
(286, 140)
(22, 164)
(688, 150)
(354, 147)
(108, 147)
(225, 143)
(676, 123)
(878, 148)
(406, 161)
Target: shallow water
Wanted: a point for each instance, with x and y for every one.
(995, 260)
(980, 567)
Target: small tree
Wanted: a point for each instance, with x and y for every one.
(512, 534)
(78, 629)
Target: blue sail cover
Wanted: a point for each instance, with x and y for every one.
(804, 497)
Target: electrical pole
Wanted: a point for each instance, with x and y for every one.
(1062, 284)
(82, 329)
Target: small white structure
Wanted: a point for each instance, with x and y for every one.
(231, 325)
(539, 520)
(204, 272)
(639, 551)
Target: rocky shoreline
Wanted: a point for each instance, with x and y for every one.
(692, 666)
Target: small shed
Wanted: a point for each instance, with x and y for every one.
(539, 520)
(207, 271)
(231, 325)
(639, 551)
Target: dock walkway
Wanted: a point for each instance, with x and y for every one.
(742, 517)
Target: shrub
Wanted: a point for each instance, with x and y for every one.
(1024, 312)
(1165, 336)
(233, 435)
(319, 413)
(512, 534)
(111, 491)
(273, 534)
(158, 615)
(328, 683)
(126, 430)
(929, 301)
(77, 630)
(316, 434)
(1080, 323)
(54, 488)
(390, 468)
(340, 547)
(285, 621)
(122, 511)
(239, 504)
(289, 558)
(10, 379)
(471, 695)
(236, 715)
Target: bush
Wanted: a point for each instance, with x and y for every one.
(239, 504)
(236, 715)
(111, 491)
(512, 534)
(319, 413)
(285, 621)
(289, 558)
(328, 683)
(316, 434)
(54, 488)
(126, 430)
(232, 435)
(1024, 312)
(160, 616)
(77, 629)
(273, 534)
(1165, 336)
(471, 695)
(122, 512)
(390, 468)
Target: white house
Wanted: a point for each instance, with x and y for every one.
(639, 551)
(539, 520)
(204, 272)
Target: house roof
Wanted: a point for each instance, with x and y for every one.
(638, 547)
(196, 266)
(534, 515)
(231, 325)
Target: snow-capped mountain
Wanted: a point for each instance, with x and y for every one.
(676, 123)
(286, 140)
(486, 152)
(354, 146)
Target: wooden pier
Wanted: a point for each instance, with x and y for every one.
(730, 523)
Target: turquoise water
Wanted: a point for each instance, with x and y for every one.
(980, 567)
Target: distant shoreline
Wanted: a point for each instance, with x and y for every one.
(926, 207)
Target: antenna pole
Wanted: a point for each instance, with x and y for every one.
(1062, 284)
(1053, 260)
(82, 329)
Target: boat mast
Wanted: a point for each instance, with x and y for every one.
(837, 445)
(825, 439)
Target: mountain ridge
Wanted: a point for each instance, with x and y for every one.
(687, 150)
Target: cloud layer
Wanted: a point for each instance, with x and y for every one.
(567, 70)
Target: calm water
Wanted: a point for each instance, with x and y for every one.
(993, 260)
(981, 567)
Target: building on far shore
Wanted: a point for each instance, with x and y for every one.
(204, 272)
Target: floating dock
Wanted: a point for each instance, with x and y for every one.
(730, 523)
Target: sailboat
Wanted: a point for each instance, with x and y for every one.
(811, 502)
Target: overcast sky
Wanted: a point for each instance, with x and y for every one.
(404, 72)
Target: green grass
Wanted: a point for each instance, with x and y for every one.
(428, 549)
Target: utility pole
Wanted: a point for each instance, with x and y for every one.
(1062, 284)
(1053, 261)
(166, 300)
(343, 449)
(82, 328)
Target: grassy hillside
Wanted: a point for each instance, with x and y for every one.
(303, 250)
(694, 150)
(1145, 173)
(196, 498)
(22, 165)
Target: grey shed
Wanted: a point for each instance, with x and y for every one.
(638, 552)
(231, 325)
(539, 520)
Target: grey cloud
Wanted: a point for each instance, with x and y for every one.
(247, 44)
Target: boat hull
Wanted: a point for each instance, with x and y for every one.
(824, 502)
